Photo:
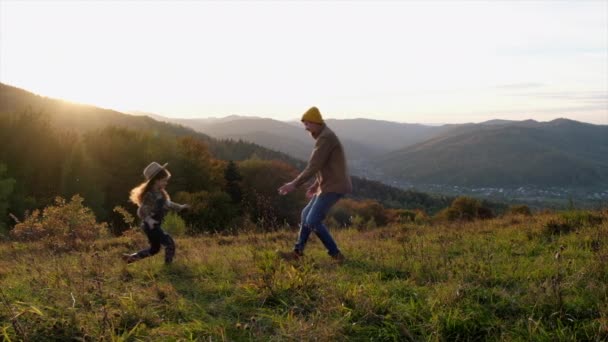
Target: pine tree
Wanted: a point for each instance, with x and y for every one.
(233, 182)
(7, 185)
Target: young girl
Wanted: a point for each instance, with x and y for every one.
(154, 202)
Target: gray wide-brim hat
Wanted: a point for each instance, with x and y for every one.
(153, 169)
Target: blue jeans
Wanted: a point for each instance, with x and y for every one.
(157, 237)
(312, 220)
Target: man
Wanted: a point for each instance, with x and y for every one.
(327, 164)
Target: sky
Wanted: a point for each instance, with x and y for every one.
(404, 61)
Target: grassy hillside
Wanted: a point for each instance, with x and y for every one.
(540, 278)
(82, 118)
(78, 117)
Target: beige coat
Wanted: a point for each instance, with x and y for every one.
(328, 164)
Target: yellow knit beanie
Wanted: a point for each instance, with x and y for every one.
(313, 115)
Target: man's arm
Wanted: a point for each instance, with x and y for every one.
(318, 158)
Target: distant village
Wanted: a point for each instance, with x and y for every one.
(528, 194)
(531, 194)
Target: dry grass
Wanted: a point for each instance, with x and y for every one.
(503, 279)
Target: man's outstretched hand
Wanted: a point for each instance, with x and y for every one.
(287, 188)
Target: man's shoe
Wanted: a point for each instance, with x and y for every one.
(339, 257)
(292, 255)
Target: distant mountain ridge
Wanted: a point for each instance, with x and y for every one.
(494, 153)
(561, 152)
(277, 135)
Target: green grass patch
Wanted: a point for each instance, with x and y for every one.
(493, 280)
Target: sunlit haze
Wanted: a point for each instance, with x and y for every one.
(407, 61)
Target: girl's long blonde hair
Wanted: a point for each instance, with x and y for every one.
(138, 192)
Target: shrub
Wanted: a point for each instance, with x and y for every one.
(127, 218)
(401, 215)
(465, 209)
(209, 211)
(521, 209)
(357, 221)
(62, 227)
(371, 224)
(557, 227)
(174, 224)
(581, 218)
(421, 217)
(570, 221)
(341, 216)
(345, 210)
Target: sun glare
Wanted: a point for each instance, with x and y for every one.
(399, 61)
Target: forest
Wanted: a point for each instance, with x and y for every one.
(228, 184)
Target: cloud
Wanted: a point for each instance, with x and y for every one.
(516, 86)
(589, 96)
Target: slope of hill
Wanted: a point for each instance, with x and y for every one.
(384, 136)
(281, 136)
(80, 118)
(500, 280)
(77, 117)
(557, 153)
(496, 153)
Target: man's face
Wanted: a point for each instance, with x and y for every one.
(313, 128)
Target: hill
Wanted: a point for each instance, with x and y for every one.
(541, 162)
(83, 118)
(292, 139)
(561, 152)
(383, 136)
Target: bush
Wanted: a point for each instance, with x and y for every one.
(571, 221)
(400, 216)
(557, 227)
(520, 210)
(357, 221)
(421, 217)
(127, 218)
(62, 227)
(174, 224)
(209, 211)
(347, 209)
(581, 218)
(465, 209)
(403, 216)
(341, 216)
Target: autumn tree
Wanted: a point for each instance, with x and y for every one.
(261, 202)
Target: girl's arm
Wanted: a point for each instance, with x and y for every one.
(177, 206)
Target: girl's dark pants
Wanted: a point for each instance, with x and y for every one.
(157, 237)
